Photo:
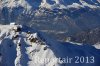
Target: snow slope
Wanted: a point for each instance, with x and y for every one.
(23, 46)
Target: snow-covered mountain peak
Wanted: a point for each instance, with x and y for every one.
(15, 3)
(23, 46)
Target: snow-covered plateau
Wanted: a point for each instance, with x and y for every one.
(22, 46)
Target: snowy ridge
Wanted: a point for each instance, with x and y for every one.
(51, 4)
(13, 3)
(20, 48)
(23, 46)
(65, 4)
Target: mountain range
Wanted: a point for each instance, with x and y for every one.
(49, 32)
(51, 4)
(59, 18)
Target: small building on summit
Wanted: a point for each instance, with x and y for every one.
(12, 23)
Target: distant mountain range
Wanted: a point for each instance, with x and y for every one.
(58, 18)
(51, 4)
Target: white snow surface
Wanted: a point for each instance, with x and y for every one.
(29, 47)
(97, 45)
